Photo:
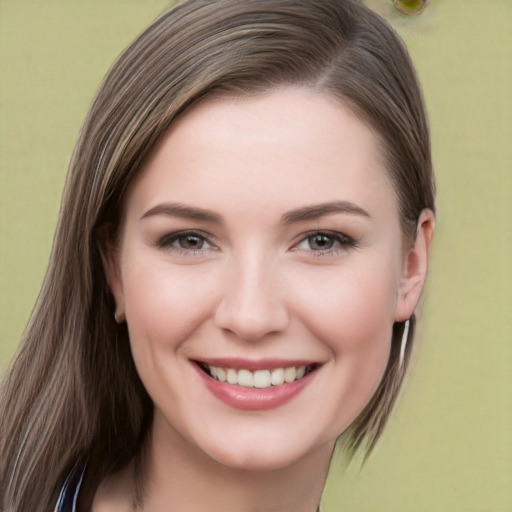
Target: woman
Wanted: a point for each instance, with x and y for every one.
(242, 243)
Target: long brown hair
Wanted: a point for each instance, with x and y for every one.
(72, 391)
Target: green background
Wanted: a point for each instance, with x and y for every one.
(448, 447)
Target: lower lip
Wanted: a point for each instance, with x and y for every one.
(254, 399)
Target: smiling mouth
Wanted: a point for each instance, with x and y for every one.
(259, 379)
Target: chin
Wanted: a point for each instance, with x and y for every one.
(255, 460)
(266, 454)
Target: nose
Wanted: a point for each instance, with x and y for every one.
(252, 306)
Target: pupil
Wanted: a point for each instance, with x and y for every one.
(320, 242)
(191, 242)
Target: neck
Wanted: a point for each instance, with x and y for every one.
(179, 476)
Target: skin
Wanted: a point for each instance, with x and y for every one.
(255, 283)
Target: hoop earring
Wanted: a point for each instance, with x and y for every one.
(403, 344)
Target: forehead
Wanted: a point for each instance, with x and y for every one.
(268, 152)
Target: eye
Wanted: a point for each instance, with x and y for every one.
(325, 242)
(191, 241)
(186, 241)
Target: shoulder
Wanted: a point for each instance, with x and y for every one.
(116, 492)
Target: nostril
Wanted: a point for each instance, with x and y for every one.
(252, 303)
(251, 322)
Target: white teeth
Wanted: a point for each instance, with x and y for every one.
(221, 375)
(290, 374)
(245, 378)
(260, 379)
(231, 376)
(277, 377)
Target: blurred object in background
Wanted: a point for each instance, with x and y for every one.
(403, 13)
(410, 6)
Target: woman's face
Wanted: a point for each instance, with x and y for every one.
(261, 245)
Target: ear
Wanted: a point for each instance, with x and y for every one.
(415, 265)
(109, 250)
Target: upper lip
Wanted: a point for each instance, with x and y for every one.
(255, 364)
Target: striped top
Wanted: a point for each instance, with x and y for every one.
(68, 496)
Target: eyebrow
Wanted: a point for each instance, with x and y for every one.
(305, 213)
(319, 210)
(183, 211)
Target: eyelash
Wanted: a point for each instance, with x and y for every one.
(344, 242)
(167, 241)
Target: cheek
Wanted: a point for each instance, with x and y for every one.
(353, 319)
(352, 314)
(352, 310)
(164, 305)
